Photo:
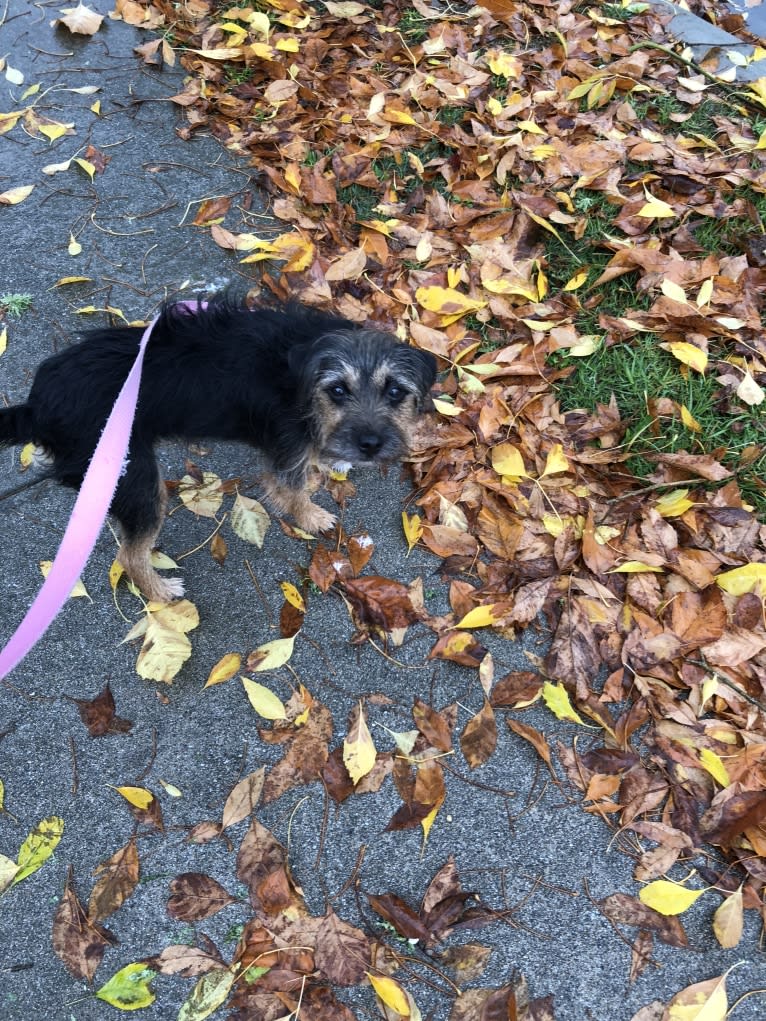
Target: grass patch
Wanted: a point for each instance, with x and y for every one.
(14, 304)
(640, 371)
(362, 200)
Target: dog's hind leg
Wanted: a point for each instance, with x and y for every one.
(139, 506)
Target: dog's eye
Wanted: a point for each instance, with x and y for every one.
(395, 393)
(337, 392)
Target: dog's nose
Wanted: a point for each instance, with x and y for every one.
(369, 443)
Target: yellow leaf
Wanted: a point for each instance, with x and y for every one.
(358, 748)
(54, 130)
(413, 528)
(689, 420)
(588, 344)
(38, 847)
(655, 209)
(74, 247)
(703, 1001)
(293, 596)
(687, 353)
(13, 196)
(668, 898)
(479, 616)
(27, 455)
(8, 870)
(504, 64)
(288, 45)
(86, 165)
(447, 408)
(273, 654)
(128, 989)
(202, 498)
(447, 302)
(3, 340)
(749, 391)
(576, 281)
(250, 520)
(224, 669)
(728, 920)
(705, 293)
(265, 702)
(166, 648)
(635, 567)
(259, 23)
(508, 462)
(427, 822)
(743, 579)
(556, 461)
(391, 993)
(531, 127)
(556, 698)
(674, 503)
(714, 765)
(78, 590)
(139, 797)
(399, 116)
(96, 108)
(673, 291)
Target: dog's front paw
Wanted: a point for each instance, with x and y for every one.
(316, 519)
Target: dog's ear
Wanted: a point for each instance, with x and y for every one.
(420, 366)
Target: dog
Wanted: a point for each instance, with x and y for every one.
(302, 386)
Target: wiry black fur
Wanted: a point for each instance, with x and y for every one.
(226, 371)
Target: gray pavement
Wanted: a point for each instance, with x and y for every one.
(534, 848)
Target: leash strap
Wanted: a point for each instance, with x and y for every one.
(88, 516)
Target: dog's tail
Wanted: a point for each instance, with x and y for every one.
(17, 424)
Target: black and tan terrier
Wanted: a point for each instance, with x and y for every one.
(304, 387)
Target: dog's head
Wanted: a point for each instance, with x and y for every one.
(363, 393)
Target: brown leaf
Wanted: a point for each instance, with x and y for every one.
(342, 952)
(118, 878)
(79, 942)
(306, 757)
(432, 725)
(536, 739)
(479, 738)
(360, 549)
(381, 602)
(327, 567)
(243, 798)
(398, 913)
(98, 715)
(183, 960)
(627, 910)
(518, 687)
(262, 866)
(194, 896)
(468, 961)
(732, 811)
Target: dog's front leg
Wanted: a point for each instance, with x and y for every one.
(289, 494)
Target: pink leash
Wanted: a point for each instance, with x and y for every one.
(88, 516)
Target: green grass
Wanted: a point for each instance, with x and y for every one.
(641, 370)
(362, 200)
(413, 26)
(14, 304)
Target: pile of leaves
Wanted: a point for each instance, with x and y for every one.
(469, 134)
